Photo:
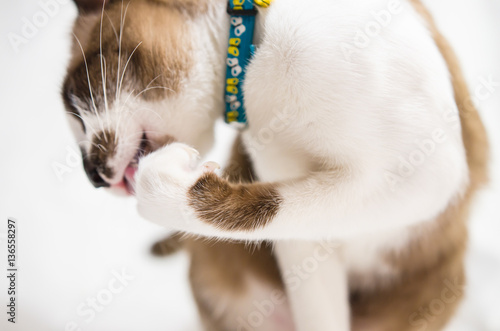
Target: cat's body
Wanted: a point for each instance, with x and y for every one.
(366, 157)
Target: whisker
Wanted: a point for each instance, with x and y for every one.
(88, 81)
(126, 143)
(112, 26)
(85, 122)
(101, 147)
(149, 109)
(154, 87)
(153, 111)
(126, 64)
(123, 75)
(140, 132)
(152, 80)
(106, 108)
(103, 73)
(119, 52)
(120, 114)
(126, 100)
(118, 88)
(123, 16)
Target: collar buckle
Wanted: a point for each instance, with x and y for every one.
(240, 12)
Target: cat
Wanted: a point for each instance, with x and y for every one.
(344, 206)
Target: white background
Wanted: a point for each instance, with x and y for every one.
(72, 237)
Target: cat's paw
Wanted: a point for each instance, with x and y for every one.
(162, 184)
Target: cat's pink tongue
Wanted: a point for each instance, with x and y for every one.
(128, 182)
(130, 179)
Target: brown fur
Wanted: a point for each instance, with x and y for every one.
(432, 259)
(103, 147)
(234, 207)
(219, 269)
(239, 168)
(246, 207)
(431, 266)
(155, 38)
(169, 245)
(159, 64)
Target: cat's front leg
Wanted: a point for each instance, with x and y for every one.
(175, 191)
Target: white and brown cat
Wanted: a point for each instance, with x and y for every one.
(356, 171)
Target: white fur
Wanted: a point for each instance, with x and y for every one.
(320, 301)
(349, 123)
(329, 128)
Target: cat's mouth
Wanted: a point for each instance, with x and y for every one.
(128, 181)
(146, 146)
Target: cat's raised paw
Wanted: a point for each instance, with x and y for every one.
(163, 180)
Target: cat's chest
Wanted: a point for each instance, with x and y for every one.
(273, 159)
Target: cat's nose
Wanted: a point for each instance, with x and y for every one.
(93, 174)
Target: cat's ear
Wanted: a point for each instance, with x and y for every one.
(89, 6)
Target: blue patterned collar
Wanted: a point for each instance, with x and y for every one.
(239, 52)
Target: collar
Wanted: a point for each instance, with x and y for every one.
(239, 52)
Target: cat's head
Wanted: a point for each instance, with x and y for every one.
(139, 78)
